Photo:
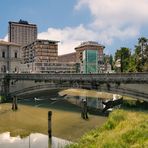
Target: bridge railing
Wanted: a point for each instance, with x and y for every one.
(114, 77)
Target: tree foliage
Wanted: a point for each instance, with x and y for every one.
(136, 62)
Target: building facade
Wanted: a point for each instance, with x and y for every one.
(90, 45)
(41, 51)
(22, 32)
(90, 61)
(10, 57)
(45, 67)
(41, 56)
(71, 57)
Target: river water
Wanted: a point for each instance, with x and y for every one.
(38, 140)
(35, 140)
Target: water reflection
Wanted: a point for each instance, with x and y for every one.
(35, 140)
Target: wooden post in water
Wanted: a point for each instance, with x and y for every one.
(49, 127)
(14, 103)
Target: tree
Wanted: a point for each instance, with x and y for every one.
(141, 54)
(123, 54)
(111, 61)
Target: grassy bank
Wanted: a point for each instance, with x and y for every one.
(65, 124)
(123, 129)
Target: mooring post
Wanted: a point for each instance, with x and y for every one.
(49, 125)
(14, 103)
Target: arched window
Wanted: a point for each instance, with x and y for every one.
(16, 70)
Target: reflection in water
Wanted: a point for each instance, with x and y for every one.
(32, 141)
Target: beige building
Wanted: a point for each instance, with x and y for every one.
(22, 32)
(10, 58)
(41, 56)
(40, 51)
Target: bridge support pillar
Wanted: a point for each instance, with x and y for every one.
(6, 88)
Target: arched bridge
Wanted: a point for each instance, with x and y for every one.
(113, 82)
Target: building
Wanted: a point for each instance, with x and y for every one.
(90, 61)
(44, 67)
(71, 57)
(22, 32)
(10, 57)
(90, 45)
(41, 56)
(41, 51)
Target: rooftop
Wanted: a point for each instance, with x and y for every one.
(42, 41)
(21, 22)
(92, 43)
(8, 43)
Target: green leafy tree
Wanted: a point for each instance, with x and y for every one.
(141, 54)
(111, 61)
(123, 54)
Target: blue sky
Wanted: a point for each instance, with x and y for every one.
(113, 23)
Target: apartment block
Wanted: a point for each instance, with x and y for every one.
(41, 56)
(41, 51)
(22, 32)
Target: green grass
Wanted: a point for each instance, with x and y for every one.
(65, 124)
(123, 129)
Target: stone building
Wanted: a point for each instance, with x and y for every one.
(22, 32)
(10, 57)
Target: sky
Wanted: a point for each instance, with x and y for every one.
(113, 23)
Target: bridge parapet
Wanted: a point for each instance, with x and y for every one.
(102, 78)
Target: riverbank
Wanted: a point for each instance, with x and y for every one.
(66, 123)
(122, 129)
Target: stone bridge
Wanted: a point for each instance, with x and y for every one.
(130, 84)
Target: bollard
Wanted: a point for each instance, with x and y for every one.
(49, 125)
(14, 103)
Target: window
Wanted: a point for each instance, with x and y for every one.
(3, 68)
(15, 54)
(3, 54)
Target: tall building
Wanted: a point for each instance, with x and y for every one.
(10, 59)
(22, 32)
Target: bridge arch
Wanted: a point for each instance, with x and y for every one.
(113, 89)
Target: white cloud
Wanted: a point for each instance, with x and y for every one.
(112, 19)
(116, 18)
(69, 37)
(5, 38)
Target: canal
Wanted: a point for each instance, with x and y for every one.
(28, 125)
